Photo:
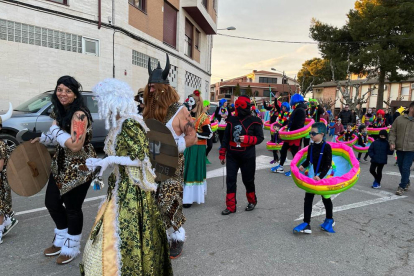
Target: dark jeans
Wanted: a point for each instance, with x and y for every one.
(376, 171)
(209, 145)
(221, 135)
(404, 161)
(360, 154)
(283, 152)
(327, 202)
(69, 216)
(275, 155)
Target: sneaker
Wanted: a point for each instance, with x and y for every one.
(328, 225)
(250, 207)
(280, 169)
(275, 168)
(208, 161)
(376, 185)
(63, 259)
(187, 205)
(272, 162)
(400, 191)
(9, 227)
(176, 249)
(52, 251)
(226, 212)
(407, 187)
(289, 173)
(365, 159)
(303, 228)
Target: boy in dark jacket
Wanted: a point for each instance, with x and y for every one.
(319, 159)
(348, 133)
(362, 140)
(379, 151)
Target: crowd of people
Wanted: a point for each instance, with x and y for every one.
(140, 225)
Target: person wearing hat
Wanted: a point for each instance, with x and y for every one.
(243, 132)
(161, 101)
(379, 151)
(139, 98)
(402, 139)
(7, 221)
(222, 113)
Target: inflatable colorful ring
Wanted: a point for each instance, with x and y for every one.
(296, 134)
(214, 126)
(345, 176)
(274, 146)
(267, 125)
(322, 120)
(375, 131)
(340, 139)
(358, 148)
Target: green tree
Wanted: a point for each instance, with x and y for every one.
(316, 71)
(379, 37)
(237, 90)
(249, 91)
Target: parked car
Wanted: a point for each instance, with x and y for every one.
(34, 115)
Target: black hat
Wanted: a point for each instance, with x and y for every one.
(159, 75)
(383, 132)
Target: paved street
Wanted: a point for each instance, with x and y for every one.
(374, 231)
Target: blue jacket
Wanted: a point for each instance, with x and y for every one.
(379, 151)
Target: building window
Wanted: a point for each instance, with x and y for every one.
(405, 91)
(266, 93)
(205, 4)
(197, 39)
(267, 80)
(140, 59)
(170, 25)
(64, 2)
(188, 51)
(139, 4)
(90, 46)
(29, 34)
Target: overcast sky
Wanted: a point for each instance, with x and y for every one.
(275, 20)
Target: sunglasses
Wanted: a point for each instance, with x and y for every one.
(314, 133)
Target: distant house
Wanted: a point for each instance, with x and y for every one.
(262, 84)
(393, 91)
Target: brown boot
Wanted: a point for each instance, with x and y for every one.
(63, 259)
(52, 251)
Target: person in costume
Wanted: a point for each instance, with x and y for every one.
(221, 115)
(362, 141)
(368, 118)
(275, 138)
(70, 179)
(380, 119)
(7, 220)
(319, 162)
(195, 170)
(315, 112)
(331, 128)
(206, 105)
(348, 133)
(379, 151)
(242, 134)
(284, 114)
(139, 98)
(161, 104)
(296, 121)
(274, 110)
(128, 236)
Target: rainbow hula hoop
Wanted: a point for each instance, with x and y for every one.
(343, 178)
(340, 139)
(274, 146)
(267, 125)
(296, 134)
(322, 120)
(375, 131)
(214, 126)
(358, 148)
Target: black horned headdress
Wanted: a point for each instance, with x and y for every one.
(159, 75)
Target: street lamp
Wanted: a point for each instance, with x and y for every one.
(231, 28)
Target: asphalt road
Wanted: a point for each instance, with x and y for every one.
(374, 231)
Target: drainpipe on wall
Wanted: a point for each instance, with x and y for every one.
(113, 39)
(99, 14)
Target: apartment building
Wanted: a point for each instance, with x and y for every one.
(41, 40)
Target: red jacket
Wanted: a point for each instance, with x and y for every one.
(338, 128)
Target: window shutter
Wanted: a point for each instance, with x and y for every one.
(188, 29)
(170, 25)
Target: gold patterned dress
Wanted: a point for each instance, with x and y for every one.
(5, 191)
(128, 237)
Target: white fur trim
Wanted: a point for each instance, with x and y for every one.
(71, 246)
(178, 235)
(60, 237)
(181, 144)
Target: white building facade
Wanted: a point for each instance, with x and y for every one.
(42, 40)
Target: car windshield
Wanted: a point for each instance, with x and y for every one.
(212, 109)
(35, 104)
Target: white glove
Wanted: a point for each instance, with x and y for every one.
(120, 160)
(91, 163)
(49, 138)
(61, 137)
